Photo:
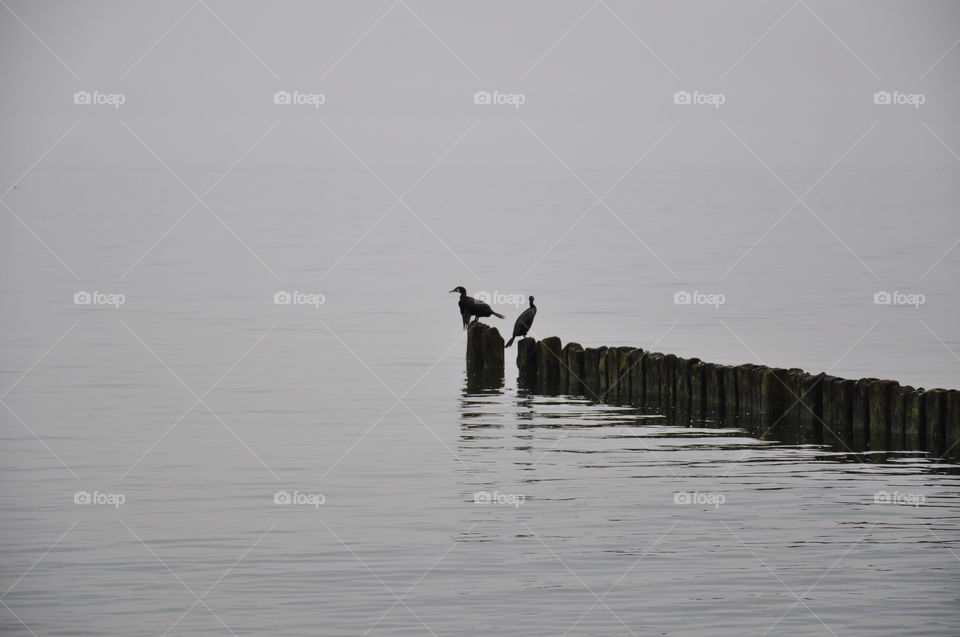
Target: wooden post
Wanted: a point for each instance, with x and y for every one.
(485, 355)
(527, 363)
(548, 366)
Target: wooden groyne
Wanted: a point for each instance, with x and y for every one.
(789, 405)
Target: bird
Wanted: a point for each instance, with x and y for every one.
(469, 306)
(524, 322)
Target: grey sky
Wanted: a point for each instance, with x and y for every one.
(798, 91)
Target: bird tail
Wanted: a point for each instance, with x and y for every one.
(510, 342)
(499, 315)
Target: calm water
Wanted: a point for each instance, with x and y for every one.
(199, 399)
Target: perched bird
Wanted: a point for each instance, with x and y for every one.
(469, 306)
(524, 322)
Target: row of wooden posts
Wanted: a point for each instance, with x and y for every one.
(789, 405)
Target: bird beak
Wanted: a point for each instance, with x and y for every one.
(453, 290)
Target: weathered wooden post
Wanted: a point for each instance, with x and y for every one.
(635, 360)
(861, 413)
(682, 391)
(915, 425)
(668, 381)
(881, 399)
(527, 363)
(698, 388)
(573, 369)
(775, 399)
(548, 366)
(485, 355)
(623, 375)
(653, 364)
(714, 391)
(591, 371)
(811, 408)
(933, 408)
(731, 409)
(952, 434)
(898, 418)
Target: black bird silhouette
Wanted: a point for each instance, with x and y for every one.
(524, 322)
(469, 306)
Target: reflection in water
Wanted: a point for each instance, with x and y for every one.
(563, 494)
